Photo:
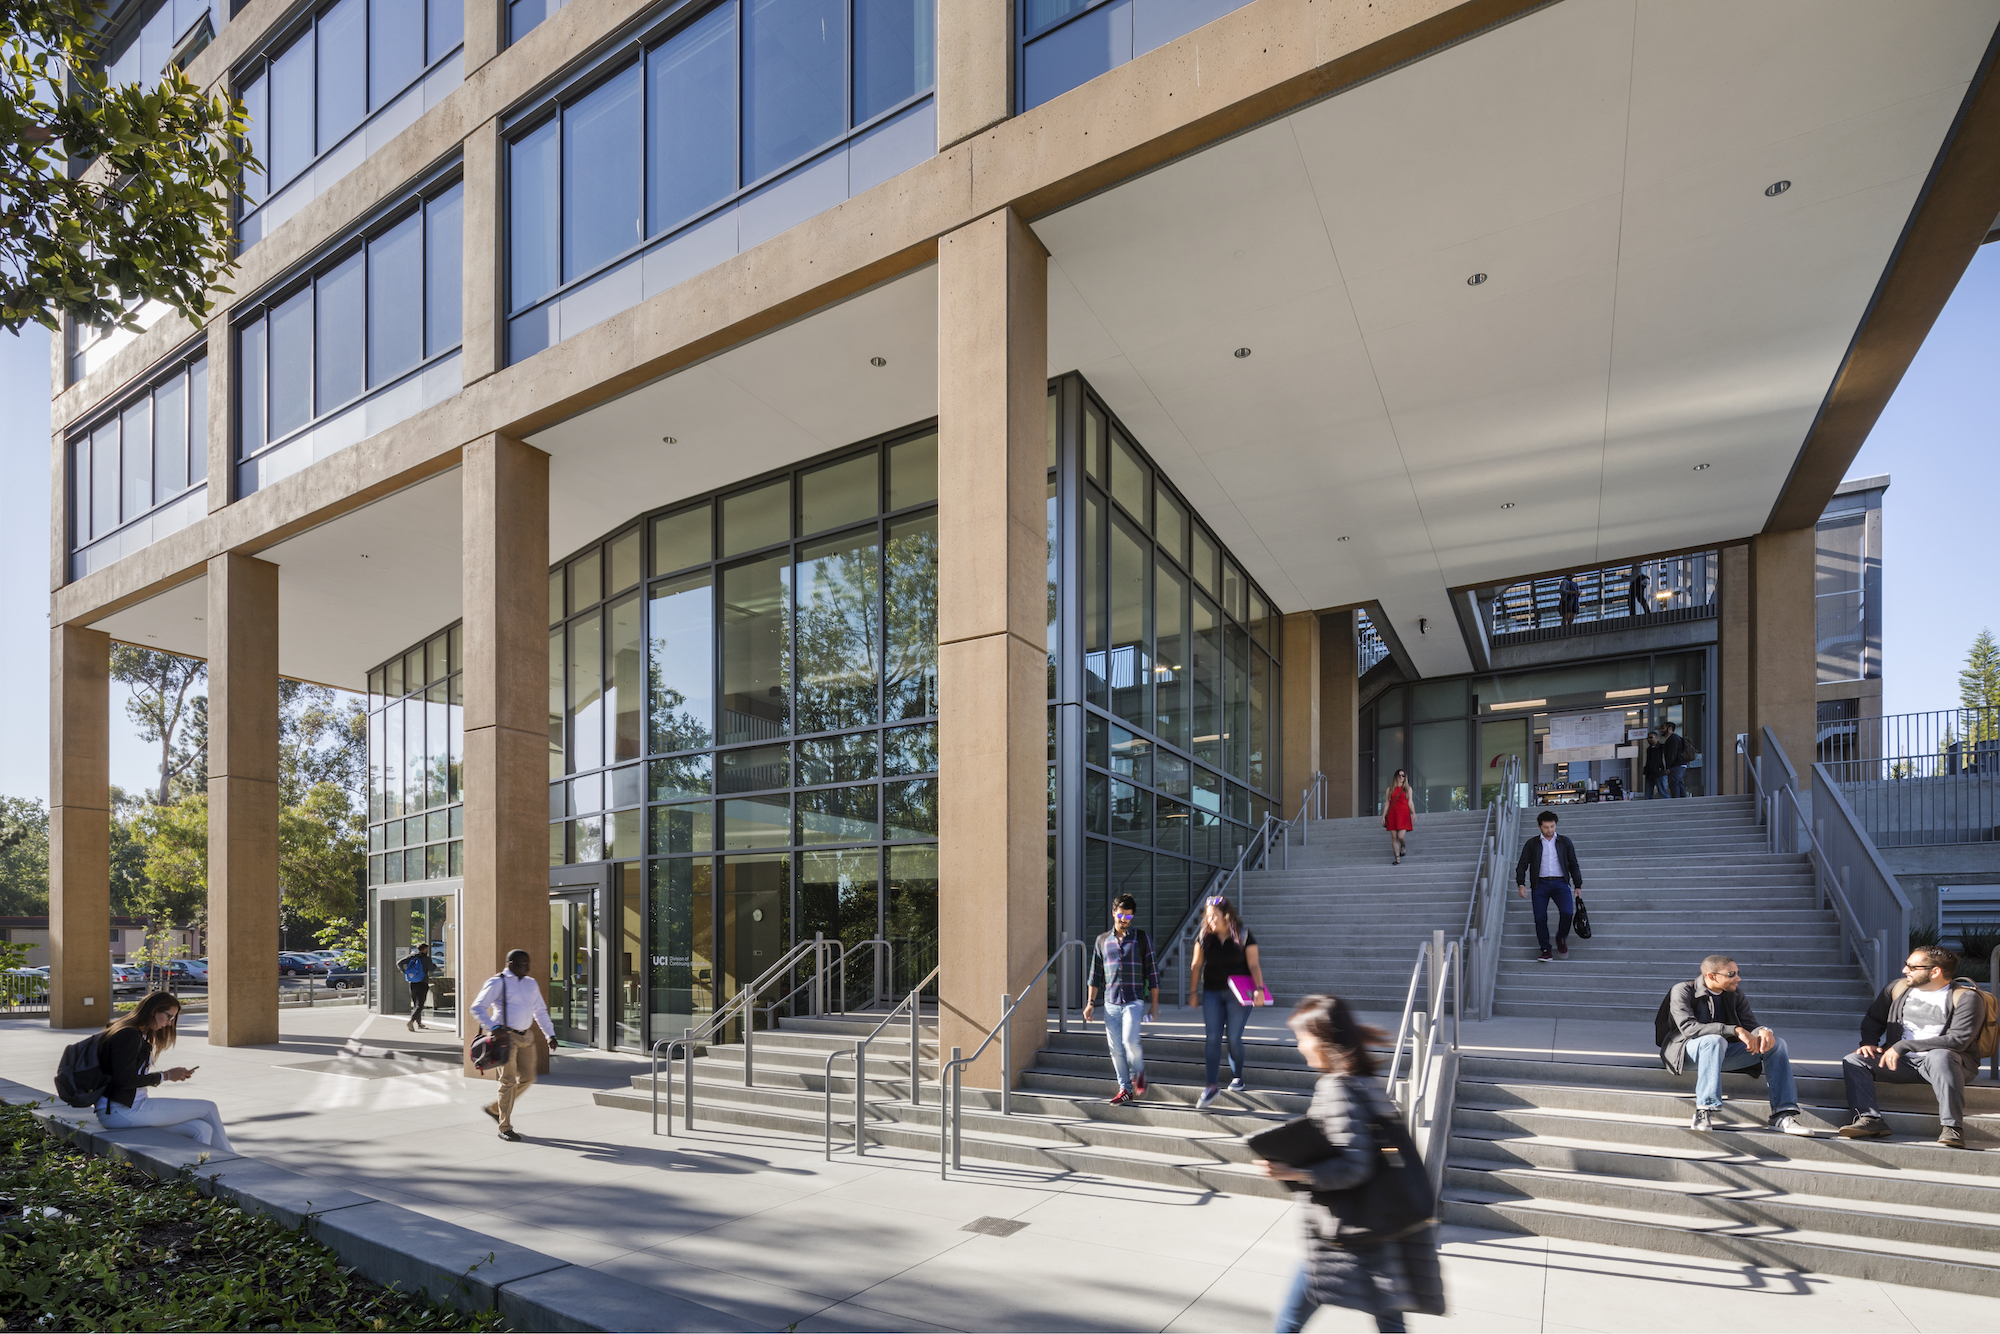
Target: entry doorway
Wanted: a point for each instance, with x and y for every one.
(427, 923)
(579, 976)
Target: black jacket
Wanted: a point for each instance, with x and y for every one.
(423, 956)
(1882, 1026)
(1656, 759)
(124, 1057)
(1673, 750)
(1529, 868)
(1692, 1011)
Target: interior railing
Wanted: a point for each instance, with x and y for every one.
(860, 1055)
(951, 1073)
(1423, 1064)
(1492, 877)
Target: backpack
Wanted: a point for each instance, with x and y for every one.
(80, 1075)
(413, 970)
(1985, 1029)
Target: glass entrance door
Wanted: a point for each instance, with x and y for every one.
(573, 967)
(429, 925)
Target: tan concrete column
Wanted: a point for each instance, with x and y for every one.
(992, 631)
(242, 801)
(221, 413)
(504, 900)
(1783, 655)
(484, 20)
(1340, 715)
(79, 827)
(1732, 693)
(975, 55)
(480, 300)
(1301, 649)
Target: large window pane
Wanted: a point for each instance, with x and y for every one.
(756, 650)
(1236, 725)
(681, 540)
(444, 271)
(839, 493)
(754, 916)
(437, 747)
(757, 518)
(757, 822)
(843, 759)
(688, 828)
(170, 439)
(838, 896)
(794, 80)
(586, 690)
(692, 95)
(625, 692)
(1257, 742)
(137, 422)
(447, 28)
(251, 366)
(909, 809)
(1170, 668)
(910, 915)
(291, 128)
(682, 924)
(395, 289)
(413, 766)
(909, 669)
(602, 172)
(680, 672)
(1437, 766)
(754, 769)
(291, 364)
(341, 345)
(534, 215)
(257, 184)
(198, 421)
(343, 70)
(1205, 681)
(838, 815)
(557, 710)
(839, 615)
(1053, 525)
(1096, 667)
(1131, 657)
(396, 45)
(893, 42)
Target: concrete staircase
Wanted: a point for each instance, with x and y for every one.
(1668, 882)
(1340, 918)
(1603, 1153)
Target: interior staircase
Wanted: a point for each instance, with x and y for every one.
(1668, 882)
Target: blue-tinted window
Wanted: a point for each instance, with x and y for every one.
(251, 367)
(198, 422)
(104, 478)
(524, 15)
(291, 364)
(794, 80)
(1039, 14)
(444, 271)
(137, 423)
(396, 45)
(343, 70)
(341, 344)
(447, 27)
(893, 45)
(291, 111)
(257, 184)
(395, 291)
(170, 439)
(535, 213)
(692, 95)
(602, 174)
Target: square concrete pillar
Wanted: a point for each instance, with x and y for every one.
(975, 55)
(1732, 692)
(992, 632)
(1301, 649)
(242, 801)
(1340, 715)
(79, 828)
(1784, 657)
(504, 898)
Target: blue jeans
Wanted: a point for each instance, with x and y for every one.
(1299, 1307)
(1218, 1007)
(1675, 783)
(1121, 1031)
(1656, 785)
(1565, 910)
(1713, 1053)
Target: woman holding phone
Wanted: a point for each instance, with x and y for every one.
(1226, 978)
(130, 1046)
(1396, 817)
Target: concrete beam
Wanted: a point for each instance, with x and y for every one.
(1302, 668)
(1340, 715)
(79, 828)
(992, 633)
(242, 802)
(975, 78)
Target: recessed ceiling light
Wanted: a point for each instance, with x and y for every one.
(1239, 254)
(1776, 188)
(1340, 539)
(1475, 280)
(1701, 467)
(1242, 352)
(1506, 504)
(878, 361)
(669, 440)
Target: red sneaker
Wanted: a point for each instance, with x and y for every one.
(1123, 1095)
(1138, 1086)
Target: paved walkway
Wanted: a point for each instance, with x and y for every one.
(759, 1224)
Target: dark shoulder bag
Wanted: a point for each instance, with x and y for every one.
(1394, 1201)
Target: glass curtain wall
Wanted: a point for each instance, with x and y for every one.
(139, 458)
(416, 761)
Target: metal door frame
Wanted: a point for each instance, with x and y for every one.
(593, 878)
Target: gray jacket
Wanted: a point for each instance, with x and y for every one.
(1882, 1026)
(1692, 1011)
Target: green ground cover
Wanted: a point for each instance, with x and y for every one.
(92, 1244)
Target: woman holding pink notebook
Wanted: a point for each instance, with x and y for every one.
(1226, 977)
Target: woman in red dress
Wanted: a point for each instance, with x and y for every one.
(1397, 819)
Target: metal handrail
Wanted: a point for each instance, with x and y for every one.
(742, 1005)
(820, 1003)
(1190, 923)
(860, 1055)
(1440, 958)
(1486, 912)
(951, 1073)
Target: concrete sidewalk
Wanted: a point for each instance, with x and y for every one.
(758, 1225)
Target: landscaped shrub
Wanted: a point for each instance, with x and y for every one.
(93, 1244)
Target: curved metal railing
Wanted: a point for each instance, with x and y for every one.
(860, 1055)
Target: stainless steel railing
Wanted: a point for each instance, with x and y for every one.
(1425, 1095)
(860, 1055)
(951, 1073)
(1486, 913)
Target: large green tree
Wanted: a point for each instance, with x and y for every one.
(24, 857)
(169, 710)
(1979, 685)
(149, 219)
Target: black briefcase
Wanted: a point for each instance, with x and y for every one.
(1581, 922)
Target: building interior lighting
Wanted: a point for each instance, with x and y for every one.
(1520, 704)
(1507, 505)
(1242, 352)
(1637, 690)
(878, 362)
(1776, 188)
(1701, 467)
(1475, 280)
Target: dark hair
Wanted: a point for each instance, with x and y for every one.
(1549, 816)
(1666, 727)
(1230, 917)
(142, 1015)
(1939, 957)
(519, 954)
(1127, 902)
(1328, 1019)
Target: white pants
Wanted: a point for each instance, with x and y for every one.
(196, 1118)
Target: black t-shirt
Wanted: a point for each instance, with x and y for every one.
(1222, 959)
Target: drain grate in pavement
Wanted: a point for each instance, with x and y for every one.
(994, 1227)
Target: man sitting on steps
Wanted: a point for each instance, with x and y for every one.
(1919, 1030)
(1711, 1020)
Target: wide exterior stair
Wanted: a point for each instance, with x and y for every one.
(1604, 1153)
(1333, 915)
(1667, 883)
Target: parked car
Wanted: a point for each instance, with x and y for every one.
(342, 978)
(181, 973)
(300, 965)
(127, 978)
(23, 986)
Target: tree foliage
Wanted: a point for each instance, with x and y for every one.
(1979, 685)
(149, 219)
(175, 839)
(170, 712)
(322, 850)
(24, 857)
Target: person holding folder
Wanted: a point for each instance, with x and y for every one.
(1226, 981)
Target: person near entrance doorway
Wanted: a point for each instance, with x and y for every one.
(1126, 978)
(1655, 767)
(1711, 1020)
(1569, 599)
(1396, 817)
(507, 1006)
(1635, 592)
(1225, 981)
(1920, 1030)
(1551, 859)
(418, 968)
(1674, 755)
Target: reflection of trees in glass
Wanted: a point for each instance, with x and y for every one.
(838, 629)
(678, 665)
(675, 726)
(911, 916)
(909, 669)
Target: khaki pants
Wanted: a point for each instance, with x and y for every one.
(515, 1076)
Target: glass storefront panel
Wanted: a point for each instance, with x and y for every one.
(427, 923)
(1499, 739)
(753, 916)
(1170, 671)
(682, 923)
(839, 593)
(839, 895)
(630, 950)
(910, 915)
(909, 670)
(756, 650)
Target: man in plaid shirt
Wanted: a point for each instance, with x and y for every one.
(1124, 976)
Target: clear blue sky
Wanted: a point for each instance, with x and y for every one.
(1939, 441)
